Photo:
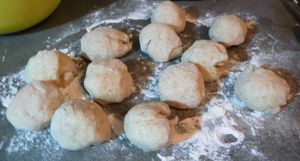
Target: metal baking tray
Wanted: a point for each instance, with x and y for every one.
(271, 41)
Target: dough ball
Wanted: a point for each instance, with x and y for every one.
(160, 42)
(78, 124)
(33, 106)
(181, 86)
(50, 66)
(105, 43)
(169, 13)
(229, 30)
(108, 81)
(207, 55)
(146, 126)
(262, 90)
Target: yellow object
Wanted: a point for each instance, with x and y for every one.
(17, 15)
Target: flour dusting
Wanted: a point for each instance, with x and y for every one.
(220, 128)
(210, 141)
(24, 141)
(258, 154)
(206, 19)
(9, 86)
(151, 90)
(142, 12)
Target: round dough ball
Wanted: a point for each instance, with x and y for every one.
(181, 86)
(105, 43)
(207, 55)
(146, 126)
(169, 13)
(78, 124)
(229, 30)
(108, 81)
(160, 42)
(50, 66)
(33, 106)
(262, 90)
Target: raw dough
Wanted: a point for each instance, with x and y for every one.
(50, 66)
(108, 81)
(262, 90)
(169, 13)
(181, 86)
(160, 42)
(229, 30)
(74, 90)
(146, 125)
(33, 106)
(105, 43)
(207, 54)
(78, 124)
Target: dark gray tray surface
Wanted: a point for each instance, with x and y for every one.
(273, 43)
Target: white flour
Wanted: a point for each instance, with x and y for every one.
(24, 141)
(142, 12)
(257, 153)
(207, 141)
(208, 18)
(139, 14)
(61, 36)
(216, 121)
(150, 91)
(9, 86)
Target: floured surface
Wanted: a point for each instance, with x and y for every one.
(226, 129)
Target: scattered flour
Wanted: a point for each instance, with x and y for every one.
(165, 158)
(106, 21)
(142, 12)
(67, 51)
(25, 141)
(209, 140)
(9, 86)
(61, 36)
(247, 16)
(151, 91)
(260, 51)
(257, 153)
(206, 19)
(219, 130)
